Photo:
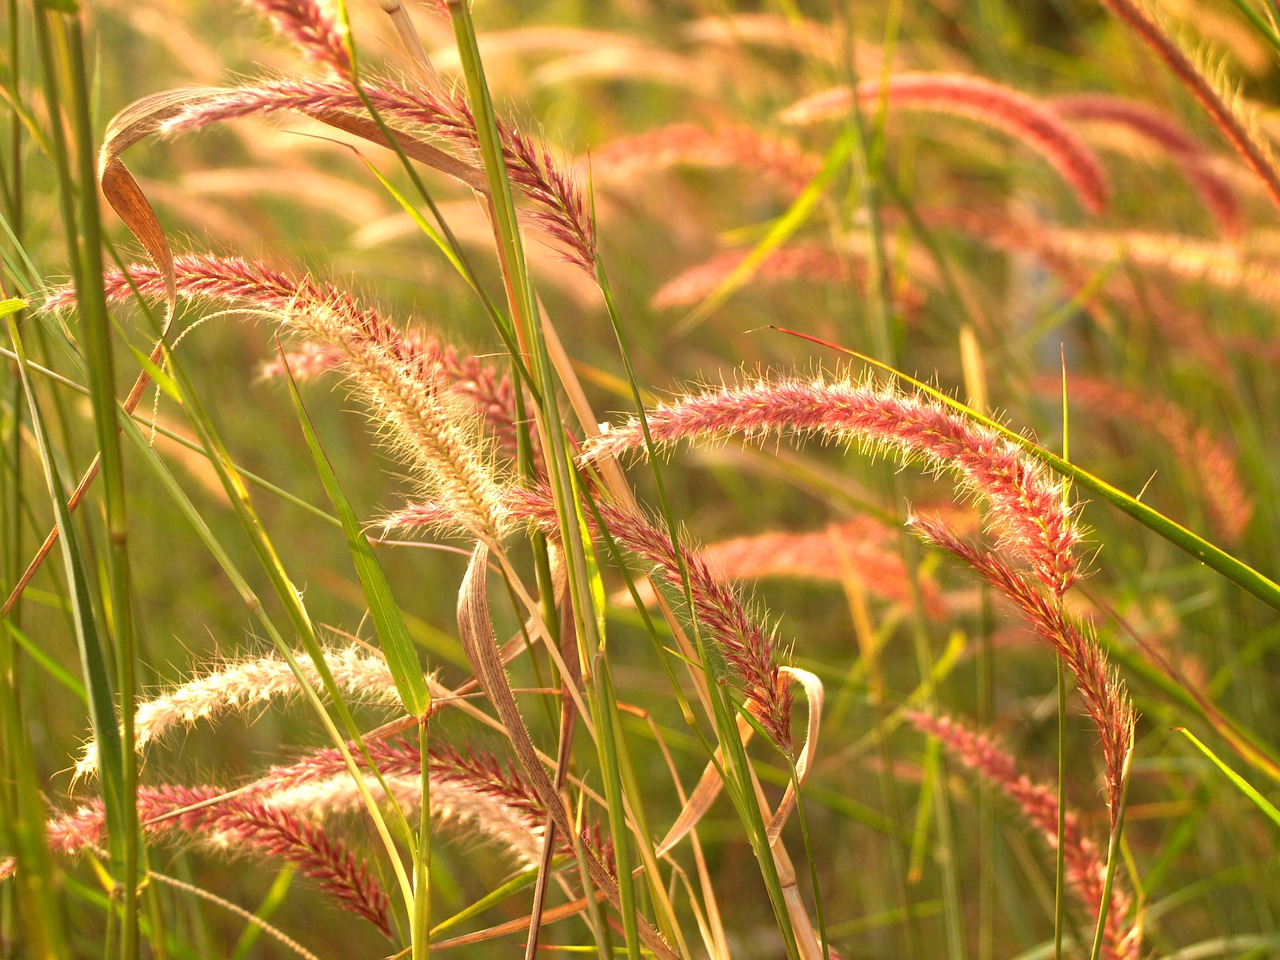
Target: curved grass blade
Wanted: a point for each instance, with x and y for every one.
(475, 630)
(1240, 783)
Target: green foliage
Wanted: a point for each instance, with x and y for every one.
(755, 247)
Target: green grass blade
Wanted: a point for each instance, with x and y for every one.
(559, 461)
(397, 646)
(55, 670)
(778, 233)
(1239, 782)
(1235, 570)
(300, 619)
(521, 881)
(271, 902)
(93, 656)
(1260, 25)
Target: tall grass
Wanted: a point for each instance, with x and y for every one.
(659, 641)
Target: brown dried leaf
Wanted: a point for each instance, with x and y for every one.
(475, 630)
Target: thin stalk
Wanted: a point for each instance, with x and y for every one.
(92, 656)
(119, 768)
(711, 688)
(1060, 866)
(22, 808)
(420, 928)
(986, 790)
(567, 717)
(1113, 859)
(824, 945)
(96, 326)
(1060, 859)
(868, 160)
(604, 707)
(934, 767)
(14, 180)
(624, 353)
(300, 619)
(584, 586)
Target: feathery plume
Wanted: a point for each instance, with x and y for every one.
(561, 211)
(246, 683)
(858, 548)
(1085, 870)
(1235, 125)
(1222, 265)
(283, 812)
(407, 390)
(1158, 127)
(1022, 117)
(238, 825)
(1105, 698)
(474, 792)
(489, 392)
(1027, 505)
(815, 40)
(735, 147)
(311, 28)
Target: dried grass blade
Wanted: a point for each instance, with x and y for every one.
(560, 912)
(134, 123)
(475, 630)
(815, 694)
(704, 794)
(712, 779)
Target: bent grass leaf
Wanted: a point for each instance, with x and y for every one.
(475, 630)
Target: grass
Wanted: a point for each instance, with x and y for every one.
(628, 616)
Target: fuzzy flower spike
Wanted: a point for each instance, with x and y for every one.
(409, 391)
(1026, 504)
(1027, 507)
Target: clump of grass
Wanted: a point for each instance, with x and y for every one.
(561, 714)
